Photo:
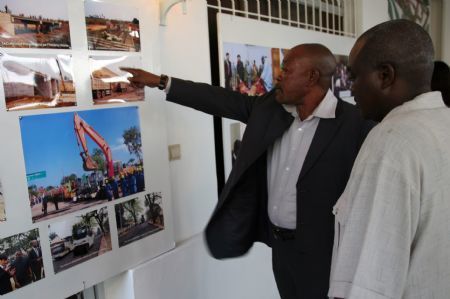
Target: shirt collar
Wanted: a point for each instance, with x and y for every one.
(326, 108)
(428, 100)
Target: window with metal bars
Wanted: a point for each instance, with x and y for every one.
(331, 16)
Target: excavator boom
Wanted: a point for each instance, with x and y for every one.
(81, 128)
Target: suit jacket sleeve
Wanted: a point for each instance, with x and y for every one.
(211, 99)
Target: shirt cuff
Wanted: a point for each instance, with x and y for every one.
(348, 290)
(169, 82)
(339, 289)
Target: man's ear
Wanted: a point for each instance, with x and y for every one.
(314, 76)
(386, 74)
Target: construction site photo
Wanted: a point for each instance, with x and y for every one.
(109, 84)
(32, 24)
(37, 81)
(76, 160)
(112, 27)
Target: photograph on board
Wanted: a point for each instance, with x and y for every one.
(112, 27)
(109, 84)
(79, 238)
(341, 80)
(251, 69)
(139, 217)
(75, 160)
(37, 81)
(34, 24)
(2, 205)
(20, 261)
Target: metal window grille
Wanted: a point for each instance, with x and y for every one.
(330, 16)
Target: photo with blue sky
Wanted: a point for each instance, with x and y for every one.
(54, 165)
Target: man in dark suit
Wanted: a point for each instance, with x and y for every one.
(35, 259)
(293, 164)
(228, 71)
(23, 270)
(240, 70)
(5, 275)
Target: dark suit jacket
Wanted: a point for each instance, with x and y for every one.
(35, 263)
(5, 283)
(240, 217)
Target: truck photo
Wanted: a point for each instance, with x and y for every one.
(60, 247)
(82, 238)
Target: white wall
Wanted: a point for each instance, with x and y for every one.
(185, 54)
(189, 272)
(369, 13)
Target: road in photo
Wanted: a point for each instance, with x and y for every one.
(79, 238)
(139, 218)
(34, 24)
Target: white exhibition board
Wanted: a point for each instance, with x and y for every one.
(244, 31)
(13, 167)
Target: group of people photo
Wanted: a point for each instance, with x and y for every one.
(250, 70)
(20, 262)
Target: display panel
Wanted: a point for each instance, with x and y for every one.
(41, 167)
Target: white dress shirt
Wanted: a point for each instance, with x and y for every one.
(285, 160)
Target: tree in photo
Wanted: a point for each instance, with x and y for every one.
(101, 217)
(134, 208)
(99, 158)
(153, 202)
(132, 139)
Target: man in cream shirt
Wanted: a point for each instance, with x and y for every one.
(392, 232)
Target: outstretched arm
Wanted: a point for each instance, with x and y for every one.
(142, 78)
(200, 96)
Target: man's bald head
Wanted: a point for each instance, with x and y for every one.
(320, 58)
(305, 77)
(403, 44)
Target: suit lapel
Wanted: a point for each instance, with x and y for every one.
(326, 130)
(271, 125)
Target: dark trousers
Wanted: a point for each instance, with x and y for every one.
(290, 274)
